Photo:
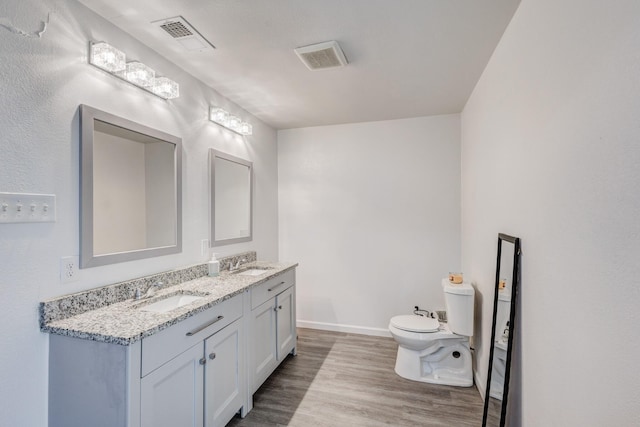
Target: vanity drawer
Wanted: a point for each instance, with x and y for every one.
(168, 343)
(271, 288)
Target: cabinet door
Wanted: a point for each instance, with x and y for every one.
(224, 375)
(262, 343)
(286, 323)
(173, 394)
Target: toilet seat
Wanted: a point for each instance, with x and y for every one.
(414, 323)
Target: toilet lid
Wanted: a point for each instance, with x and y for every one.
(415, 323)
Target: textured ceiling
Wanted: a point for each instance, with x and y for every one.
(407, 58)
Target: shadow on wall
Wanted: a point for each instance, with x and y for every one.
(476, 340)
(477, 320)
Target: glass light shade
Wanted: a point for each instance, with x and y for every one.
(107, 57)
(234, 123)
(140, 74)
(246, 128)
(165, 88)
(219, 116)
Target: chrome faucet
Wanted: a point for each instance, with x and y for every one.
(237, 266)
(150, 292)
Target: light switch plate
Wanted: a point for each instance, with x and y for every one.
(26, 207)
(204, 247)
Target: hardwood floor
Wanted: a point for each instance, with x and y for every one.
(340, 379)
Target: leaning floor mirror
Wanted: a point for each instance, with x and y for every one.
(502, 332)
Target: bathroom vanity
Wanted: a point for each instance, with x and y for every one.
(272, 326)
(117, 361)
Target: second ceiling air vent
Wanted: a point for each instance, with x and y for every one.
(184, 33)
(322, 55)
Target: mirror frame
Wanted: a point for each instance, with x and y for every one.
(88, 116)
(213, 155)
(515, 282)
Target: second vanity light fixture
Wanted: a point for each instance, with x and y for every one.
(223, 118)
(113, 61)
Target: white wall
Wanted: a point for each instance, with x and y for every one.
(43, 80)
(550, 153)
(371, 211)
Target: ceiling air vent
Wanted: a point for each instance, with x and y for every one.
(184, 33)
(322, 55)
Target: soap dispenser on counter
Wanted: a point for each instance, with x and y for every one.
(214, 266)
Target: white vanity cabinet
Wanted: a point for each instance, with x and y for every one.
(173, 394)
(198, 372)
(192, 374)
(272, 330)
(202, 386)
(225, 375)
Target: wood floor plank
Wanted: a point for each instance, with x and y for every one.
(340, 379)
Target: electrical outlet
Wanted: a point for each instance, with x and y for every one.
(69, 269)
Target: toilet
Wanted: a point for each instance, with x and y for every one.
(434, 352)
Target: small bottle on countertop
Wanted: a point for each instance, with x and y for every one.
(214, 266)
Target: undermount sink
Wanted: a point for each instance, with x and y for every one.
(170, 303)
(253, 271)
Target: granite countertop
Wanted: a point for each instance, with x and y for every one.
(123, 323)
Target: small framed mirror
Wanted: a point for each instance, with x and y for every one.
(130, 189)
(502, 331)
(231, 200)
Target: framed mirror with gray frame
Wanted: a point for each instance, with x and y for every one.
(130, 189)
(231, 198)
(502, 332)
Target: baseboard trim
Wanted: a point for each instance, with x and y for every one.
(350, 329)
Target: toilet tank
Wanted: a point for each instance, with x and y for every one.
(459, 301)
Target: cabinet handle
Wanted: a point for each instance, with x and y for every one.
(212, 356)
(195, 331)
(279, 284)
(203, 361)
(279, 307)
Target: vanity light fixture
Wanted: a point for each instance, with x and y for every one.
(106, 57)
(222, 117)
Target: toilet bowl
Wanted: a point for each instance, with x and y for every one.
(434, 352)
